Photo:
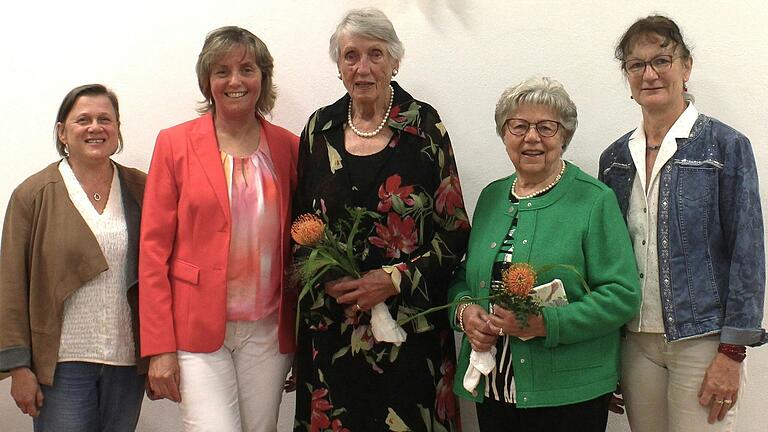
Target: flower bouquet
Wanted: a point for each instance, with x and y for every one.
(334, 253)
(519, 294)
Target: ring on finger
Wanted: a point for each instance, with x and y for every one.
(357, 307)
(719, 401)
(727, 401)
(501, 331)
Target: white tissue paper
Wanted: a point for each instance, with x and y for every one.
(480, 364)
(384, 327)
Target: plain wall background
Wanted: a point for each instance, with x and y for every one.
(460, 55)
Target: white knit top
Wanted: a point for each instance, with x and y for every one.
(96, 326)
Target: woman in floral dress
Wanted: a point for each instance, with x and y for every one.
(380, 149)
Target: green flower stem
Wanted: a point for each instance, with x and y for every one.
(446, 306)
(546, 268)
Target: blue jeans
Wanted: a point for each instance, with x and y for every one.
(90, 397)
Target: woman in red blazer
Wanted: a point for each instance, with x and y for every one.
(216, 316)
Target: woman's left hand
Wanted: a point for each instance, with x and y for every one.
(368, 291)
(720, 387)
(505, 322)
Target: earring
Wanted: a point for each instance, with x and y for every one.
(631, 97)
(685, 87)
(338, 75)
(394, 72)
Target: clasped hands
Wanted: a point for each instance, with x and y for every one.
(482, 328)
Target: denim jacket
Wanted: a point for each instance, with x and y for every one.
(710, 232)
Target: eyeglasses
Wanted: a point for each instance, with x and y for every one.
(520, 127)
(660, 64)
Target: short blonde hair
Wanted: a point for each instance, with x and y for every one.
(221, 41)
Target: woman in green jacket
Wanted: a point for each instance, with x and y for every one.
(560, 378)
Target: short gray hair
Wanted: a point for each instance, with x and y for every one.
(538, 91)
(368, 22)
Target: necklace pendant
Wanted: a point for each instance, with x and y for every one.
(96, 196)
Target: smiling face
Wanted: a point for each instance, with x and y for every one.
(658, 91)
(90, 130)
(366, 68)
(535, 158)
(235, 83)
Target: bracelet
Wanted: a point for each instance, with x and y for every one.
(462, 308)
(736, 353)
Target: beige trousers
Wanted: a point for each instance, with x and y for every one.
(661, 382)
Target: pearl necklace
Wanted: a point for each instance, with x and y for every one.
(540, 191)
(362, 134)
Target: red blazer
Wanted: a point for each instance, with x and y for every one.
(184, 244)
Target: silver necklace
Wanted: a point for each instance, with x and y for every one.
(540, 191)
(362, 134)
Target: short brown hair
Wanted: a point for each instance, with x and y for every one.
(659, 25)
(217, 44)
(69, 102)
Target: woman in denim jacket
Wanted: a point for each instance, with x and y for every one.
(693, 212)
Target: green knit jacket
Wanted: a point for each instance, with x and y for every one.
(577, 223)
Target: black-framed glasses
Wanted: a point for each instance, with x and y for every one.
(520, 127)
(660, 64)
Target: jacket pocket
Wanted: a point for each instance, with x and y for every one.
(185, 271)
(696, 180)
(579, 356)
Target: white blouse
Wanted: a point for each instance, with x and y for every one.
(96, 326)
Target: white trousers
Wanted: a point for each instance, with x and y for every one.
(239, 387)
(661, 382)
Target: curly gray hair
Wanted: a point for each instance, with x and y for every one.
(538, 91)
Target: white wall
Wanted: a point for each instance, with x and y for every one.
(460, 55)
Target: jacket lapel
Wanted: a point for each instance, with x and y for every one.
(281, 161)
(205, 146)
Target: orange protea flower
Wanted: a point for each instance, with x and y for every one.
(307, 230)
(519, 279)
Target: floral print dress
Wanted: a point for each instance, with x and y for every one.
(346, 380)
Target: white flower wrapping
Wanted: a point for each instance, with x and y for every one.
(550, 294)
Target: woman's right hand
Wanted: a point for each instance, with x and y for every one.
(25, 391)
(164, 376)
(477, 327)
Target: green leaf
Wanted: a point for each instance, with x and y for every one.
(441, 128)
(393, 353)
(425, 416)
(398, 204)
(327, 125)
(340, 353)
(437, 426)
(436, 248)
(310, 132)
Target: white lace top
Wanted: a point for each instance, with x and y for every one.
(96, 326)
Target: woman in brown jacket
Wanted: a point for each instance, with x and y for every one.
(68, 277)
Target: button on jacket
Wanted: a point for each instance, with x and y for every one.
(710, 232)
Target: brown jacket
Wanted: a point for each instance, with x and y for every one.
(47, 253)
